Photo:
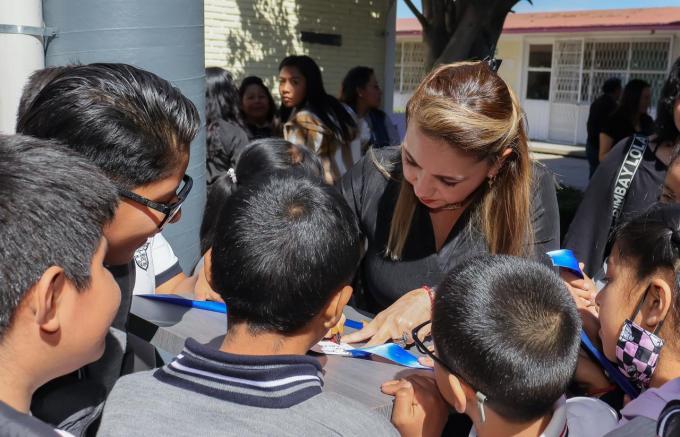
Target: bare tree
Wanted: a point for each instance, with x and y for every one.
(455, 30)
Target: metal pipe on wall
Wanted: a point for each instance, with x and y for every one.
(162, 36)
(21, 53)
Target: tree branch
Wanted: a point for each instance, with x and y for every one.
(421, 18)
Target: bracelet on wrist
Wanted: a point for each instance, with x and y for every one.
(430, 293)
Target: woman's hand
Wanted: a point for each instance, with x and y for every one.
(419, 410)
(398, 319)
(583, 290)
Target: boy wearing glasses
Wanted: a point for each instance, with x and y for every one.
(137, 128)
(283, 260)
(57, 300)
(506, 339)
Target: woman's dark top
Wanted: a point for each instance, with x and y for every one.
(257, 132)
(589, 231)
(226, 139)
(619, 127)
(372, 197)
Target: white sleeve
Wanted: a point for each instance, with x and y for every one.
(165, 263)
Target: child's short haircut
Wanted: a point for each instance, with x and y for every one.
(54, 206)
(131, 123)
(36, 82)
(510, 329)
(283, 245)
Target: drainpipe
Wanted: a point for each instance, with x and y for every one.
(21, 52)
(162, 36)
(390, 43)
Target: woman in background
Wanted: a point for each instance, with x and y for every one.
(226, 134)
(361, 92)
(629, 118)
(315, 119)
(258, 109)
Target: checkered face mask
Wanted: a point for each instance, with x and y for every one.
(637, 351)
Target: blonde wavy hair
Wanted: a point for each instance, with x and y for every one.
(472, 109)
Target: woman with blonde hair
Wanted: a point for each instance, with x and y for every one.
(462, 183)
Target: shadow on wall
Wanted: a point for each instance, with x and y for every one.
(269, 30)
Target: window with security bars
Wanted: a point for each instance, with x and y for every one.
(567, 78)
(644, 59)
(410, 65)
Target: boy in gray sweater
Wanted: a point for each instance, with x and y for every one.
(283, 259)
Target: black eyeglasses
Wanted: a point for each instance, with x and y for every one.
(481, 397)
(170, 210)
(424, 349)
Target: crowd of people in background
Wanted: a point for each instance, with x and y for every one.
(319, 203)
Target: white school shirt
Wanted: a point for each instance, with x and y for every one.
(155, 264)
(578, 417)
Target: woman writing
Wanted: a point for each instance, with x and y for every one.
(315, 119)
(462, 183)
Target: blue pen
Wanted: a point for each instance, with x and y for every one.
(217, 307)
(353, 324)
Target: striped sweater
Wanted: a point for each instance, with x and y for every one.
(207, 392)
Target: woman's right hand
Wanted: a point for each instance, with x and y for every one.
(398, 319)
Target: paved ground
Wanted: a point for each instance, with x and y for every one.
(569, 171)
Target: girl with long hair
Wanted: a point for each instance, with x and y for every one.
(629, 118)
(226, 134)
(315, 119)
(361, 92)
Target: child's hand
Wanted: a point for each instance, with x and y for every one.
(583, 290)
(337, 329)
(418, 410)
(589, 374)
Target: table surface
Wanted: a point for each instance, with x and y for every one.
(167, 326)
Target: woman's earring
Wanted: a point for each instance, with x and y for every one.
(491, 180)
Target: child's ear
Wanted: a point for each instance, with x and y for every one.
(45, 297)
(333, 310)
(658, 302)
(459, 400)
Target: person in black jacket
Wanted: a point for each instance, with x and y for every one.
(629, 118)
(600, 110)
(588, 234)
(226, 133)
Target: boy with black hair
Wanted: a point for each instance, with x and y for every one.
(506, 339)
(137, 128)
(57, 300)
(283, 261)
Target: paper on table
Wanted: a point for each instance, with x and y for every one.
(389, 351)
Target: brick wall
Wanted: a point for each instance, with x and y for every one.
(251, 37)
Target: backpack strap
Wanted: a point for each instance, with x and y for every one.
(627, 171)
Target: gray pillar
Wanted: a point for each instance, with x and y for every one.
(162, 36)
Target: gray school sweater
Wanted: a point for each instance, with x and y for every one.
(205, 392)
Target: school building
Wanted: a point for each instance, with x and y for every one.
(557, 62)
(251, 37)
